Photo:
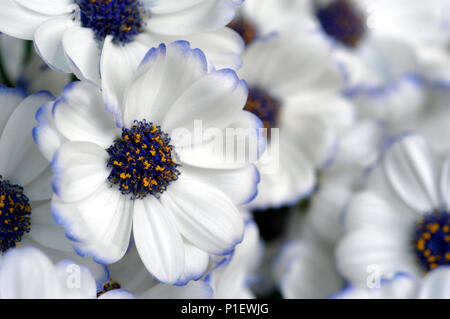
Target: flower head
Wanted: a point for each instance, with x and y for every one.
(145, 167)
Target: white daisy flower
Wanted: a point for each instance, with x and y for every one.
(294, 87)
(401, 222)
(28, 72)
(232, 276)
(435, 285)
(27, 273)
(178, 196)
(305, 266)
(130, 274)
(106, 38)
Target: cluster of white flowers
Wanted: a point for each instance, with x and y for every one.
(224, 149)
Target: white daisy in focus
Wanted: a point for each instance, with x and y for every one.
(232, 277)
(27, 273)
(106, 38)
(130, 274)
(294, 89)
(305, 266)
(152, 167)
(401, 221)
(24, 68)
(435, 285)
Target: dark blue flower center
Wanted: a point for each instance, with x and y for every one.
(15, 211)
(263, 105)
(142, 161)
(122, 19)
(432, 240)
(244, 28)
(110, 285)
(342, 20)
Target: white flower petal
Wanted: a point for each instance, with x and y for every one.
(10, 98)
(45, 134)
(80, 169)
(366, 247)
(77, 281)
(360, 144)
(45, 231)
(239, 184)
(49, 7)
(79, 114)
(240, 144)
(117, 67)
(117, 294)
(192, 17)
(231, 280)
(26, 273)
(337, 112)
(48, 43)
(170, 70)
(445, 182)
(369, 210)
(222, 47)
(275, 64)
(219, 92)
(317, 139)
(411, 170)
(84, 59)
(436, 284)
(100, 272)
(100, 225)
(326, 209)
(170, 5)
(41, 187)
(19, 22)
(204, 215)
(195, 264)
(20, 160)
(280, 16)
(287, 176)
(311, 274)
(157, 240)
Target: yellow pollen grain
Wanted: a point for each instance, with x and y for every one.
(420, 244)
(434, 227)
